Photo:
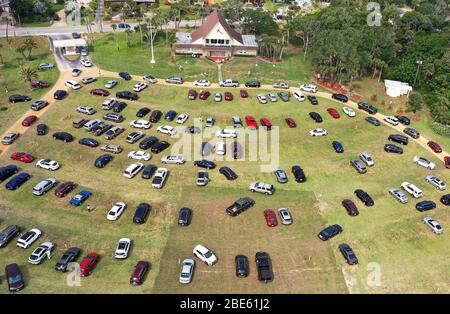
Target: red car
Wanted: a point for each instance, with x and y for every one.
(271, 218)
(204, 94)
(99, 92)
(228, 96)
(23, 157)
(64, 189)
(291, 122)
(138, 275)
(28, 121)
(88, 264)
(39, 84)
(447, 161)
(334, 113)
(435, 147)
(251, 122)
(243, 93)
(266, 123)
(192, 94)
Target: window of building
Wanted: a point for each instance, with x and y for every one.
(221, 41)
(207, 41)
(227, 41)
(213, 41)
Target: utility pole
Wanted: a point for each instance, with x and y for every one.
(419, 63)
(150, 28)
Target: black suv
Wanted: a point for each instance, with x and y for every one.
(330, 232)
(445, 199)
(148, 142)
(242, 267)
(403, 120)
(141, 213)
(367, 107)
(184, 217)
(60, 94)
(240, 206)
(264, 267)
(425, 205)
(127, 95)
(401, 139)
(253, 84)
(364, 197)
(391, 148)
(340, 97)
(8, 234)
(298, 173)
(316, 117)
(19, 98)
(205, 164)
(159, 147)
(411, 132)
(125, 75)
(228, 173)
(63, 136)
(155, 116)
(8, 171)
(68, 257)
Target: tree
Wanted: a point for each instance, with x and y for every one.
(172, 39)
(21, 50)
(259, 22)
(114, 27)
(27, 74)
(415, 102)
(21, 9)
(29, 45)
(127, 35)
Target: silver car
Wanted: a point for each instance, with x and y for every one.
(202, 177)
(133, 137)
(368, 160)
(436, 182)
(272, 97)
(209, 122)
(433, 225)
(399, 195)
(359, 166)
(10, 138)
(285, 216)
(187, 271)
(111, 84)
(281, 176)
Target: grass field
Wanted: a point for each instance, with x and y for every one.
(410, 257)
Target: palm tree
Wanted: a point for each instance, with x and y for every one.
(127, 35)
(6, 20)
(29, 45)
(139, 21)
(21, 50)
(27, 74)
(172, 40)
(114, 27)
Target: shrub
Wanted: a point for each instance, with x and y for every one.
(441, 129)
(3, 108)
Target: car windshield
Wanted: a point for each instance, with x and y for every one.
(157, 180)
(122, 246)
(208, 254)
(14, 279)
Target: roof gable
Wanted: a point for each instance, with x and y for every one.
(210, 23)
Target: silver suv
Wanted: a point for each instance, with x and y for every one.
(44, 186)
(236, 120)
(368, 160)
(261, 187)
(399, 195)
(359, 166)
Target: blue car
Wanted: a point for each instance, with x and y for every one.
(103, 160)
(170, 115)
(338, 147)
(80, 198)
(124, 25)
(17, 181)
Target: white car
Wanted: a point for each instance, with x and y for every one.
(349, 111)
(139, 155)
(88, 80)
(202, 83)
(116, 210)
(111, 84)
(308, 88)
(138, 87)
(29, 238)
(86, 62)
(42, 251)
(187, 271)
(285, 216)
(173, 159)
(433, 225)
(299, 96)
(368, 160)
(209, 122)
(140, 124)
(182, 118)
(226, 133)
(424, 162)
(412, 189)
(108, 103)
(86, 110)
(76, 72)
(262, 99)
(159, 178)
(166, 129)
(151, 79)
(272, 97)
(436, 182)
(72, 84)
(48, 164)
(391, 120)
(318, 132)
(205, 254)
(133, 170)
(123, 247)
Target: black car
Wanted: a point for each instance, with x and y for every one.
(68, 257)
(425, 205)
(155, 116)
(445, 199)
(148, 171)
(19, 98)
(127, 95)
(403, 120)
(142, 112)
(391, 148)
(41, 129)
(242, 266)
(228, 173)
(367, 107)
(103, 160)
(340, 97)
(263, 267)
(8, 234)
(298, 173)
(141, 213)
(338, 147)
(88, 142)
(373, 121)
(7, 172)
(148, 142)
(284, 96)
(184, 217)
(159, 147)
(364, 197)
(240, 206)
(401, 139)
(125, 75)
(63, 136)
(253, 84)
(14, 278)
(412, 132)
(313, 100)
(330, 232)
(316, 117)
(348, 254)
(60, 94)
(119, 106)
(205, 164)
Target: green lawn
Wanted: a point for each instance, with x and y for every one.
(390, 234)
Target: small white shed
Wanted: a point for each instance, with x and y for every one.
(397, 88)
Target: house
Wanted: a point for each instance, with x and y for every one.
(397, 88)
(216, 39)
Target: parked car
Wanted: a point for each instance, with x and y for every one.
(123, 248)
(173, 159)
(350, 207)
(398, 195)
(412, 189)
(88, 264)
(364, 197)
(41, 129)
(226, 133)
(229, 83)
(44, 186)
(251, 122)
(425, 205)
(39, 104)
(334, 113)
(116, 211)
(41, 252)
(263, 267)
(433, 225)
(291, 122)
(310, 88)
(175, 80)
(39, 84)
(359, 166)
(22, 156)
(421, 161)
(159, 147)
(298, 173)
(202, 83)
(86, 110)
(28, 238)
(182, 118)
(184, 216)
(69, 256)
(445, 199)
(127, 95)
(412, 132)
(436, 182)
(367, 107)
(284, 96)
(239, 206)
(17, 181)
(228, 173)
(266, 124)
(142, 112)
(80, 198)
(133, 169)
(340, 97)
(318, 132)
(160, 178)
(63, 136)
(125, 75)
(46, 66)
(72, 84)
(237, 122)
(8, 234)
(218, 97)
(313, 100)
(155, 116)
(7, 171)
(19, 98)
(281, 176)
(243, 93)
(330, 232)
(209, 122)
(170, 115)
(119, 106)
(187, 271)
(141, 213)
(9, 138)
(76, 72)
(367, 159)
(242, 266)
(28, 121)
(316, 117)
(391, 148)
(205, 255)
(349, 112)
(337, 146)
(272, 97)
(88, 80)
(253, 84)
(60, 94)
(391, 120)
(298, 95)
(139, 273)
(87, 141)
(148, 142)
(398, 139)
(348, 254)
(285, 216)
(192, 94)
(113, 132)
(202, 178)
(260, 187)
(283, 85)
(373, 121)
(205, 164)
(204, 94)
(403, 120)
(435, 147)
(228, 96)
(65, 188)
(139, 87)
(116, 149)
(14, 278)
(134, 136)
(271, 218)
(139, 155)
(99, 92)
(103, 160)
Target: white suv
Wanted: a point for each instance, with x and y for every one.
(48, 164)
(226, 133)
(299, 96)
(260, 187)
(391, 120)
(412, 189)
(205, 254)
(27, 239)
(140, 124)
(309, 88)
(133, 170)
(173, 159)
(166, 129)
(72, 84)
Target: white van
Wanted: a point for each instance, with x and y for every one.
(72, 84)
(220, 148)
(412, 189)
(133, 170)
(226, 133)
(44, 186)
